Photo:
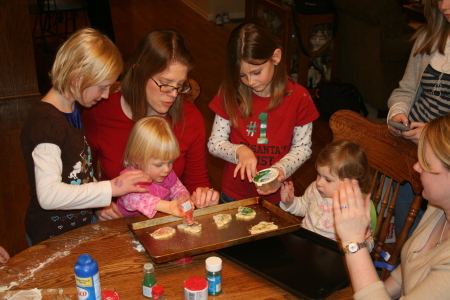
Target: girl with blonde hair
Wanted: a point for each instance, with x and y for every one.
(57, 155)
(152, 147)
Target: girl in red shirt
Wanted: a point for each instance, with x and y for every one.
(263, 118)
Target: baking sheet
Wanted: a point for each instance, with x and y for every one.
(212, 237)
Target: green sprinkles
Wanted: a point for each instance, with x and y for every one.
(246, 211)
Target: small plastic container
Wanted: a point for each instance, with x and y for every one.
(214, 275)
(267, 180)
(195, 288)
(185, 202)
(158, 292)
(87, 278)
(149, 281)
(110, 295)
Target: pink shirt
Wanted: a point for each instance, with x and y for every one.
(144, 203)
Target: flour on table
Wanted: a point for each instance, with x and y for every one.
(34, 294)
(39, 262)
(138, 246)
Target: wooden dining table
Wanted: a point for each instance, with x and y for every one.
(47, 268)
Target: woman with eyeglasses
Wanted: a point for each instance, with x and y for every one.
(155, 80)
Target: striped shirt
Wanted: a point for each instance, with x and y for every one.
(435, 99)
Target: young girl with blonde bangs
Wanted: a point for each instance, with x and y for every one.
(152, 147)
(54, 144)
(263, 119)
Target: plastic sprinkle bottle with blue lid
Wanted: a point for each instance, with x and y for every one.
(214, 275)
(87, 278)
(149, 281)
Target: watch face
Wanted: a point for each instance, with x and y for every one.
(353, 247)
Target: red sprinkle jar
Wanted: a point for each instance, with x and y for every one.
(110, 295)
(196, 288)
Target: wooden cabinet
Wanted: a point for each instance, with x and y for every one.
(278, 18)
(313, 30)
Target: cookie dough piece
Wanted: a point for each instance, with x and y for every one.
(245, 213)
(263, 226)
(163, 233)
(222, 219)
(194, 228)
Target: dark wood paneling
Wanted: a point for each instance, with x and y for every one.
(17, 74)
(18, 88)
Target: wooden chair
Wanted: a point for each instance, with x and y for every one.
(392, 159)
(192, 95)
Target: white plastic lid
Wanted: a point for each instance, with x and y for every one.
(148, 267)
(266, 176)
(213, 264)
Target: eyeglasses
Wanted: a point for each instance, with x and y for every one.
(169, 88)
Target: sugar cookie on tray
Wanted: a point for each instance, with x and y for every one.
(263, 226)
(222, 219)
(163, 233)
(245, 213)
(194, 228)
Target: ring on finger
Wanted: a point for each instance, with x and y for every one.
(344, 206)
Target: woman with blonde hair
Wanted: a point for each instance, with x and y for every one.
(57, 155)
(152, 147)
(424, 271)
(154, 83)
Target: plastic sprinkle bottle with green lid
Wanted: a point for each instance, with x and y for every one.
(149, 281)
(214, 275)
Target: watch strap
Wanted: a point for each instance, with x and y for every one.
(347, 249)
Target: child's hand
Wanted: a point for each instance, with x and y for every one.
(415, 132)
(247, 163)
(287, 193)
(126, 182)
(175, 209)
(4, 256)
(401, 118)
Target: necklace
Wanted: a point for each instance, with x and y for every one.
(442, 233)
(436, 92)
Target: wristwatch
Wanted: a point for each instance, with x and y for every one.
(353, 247)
